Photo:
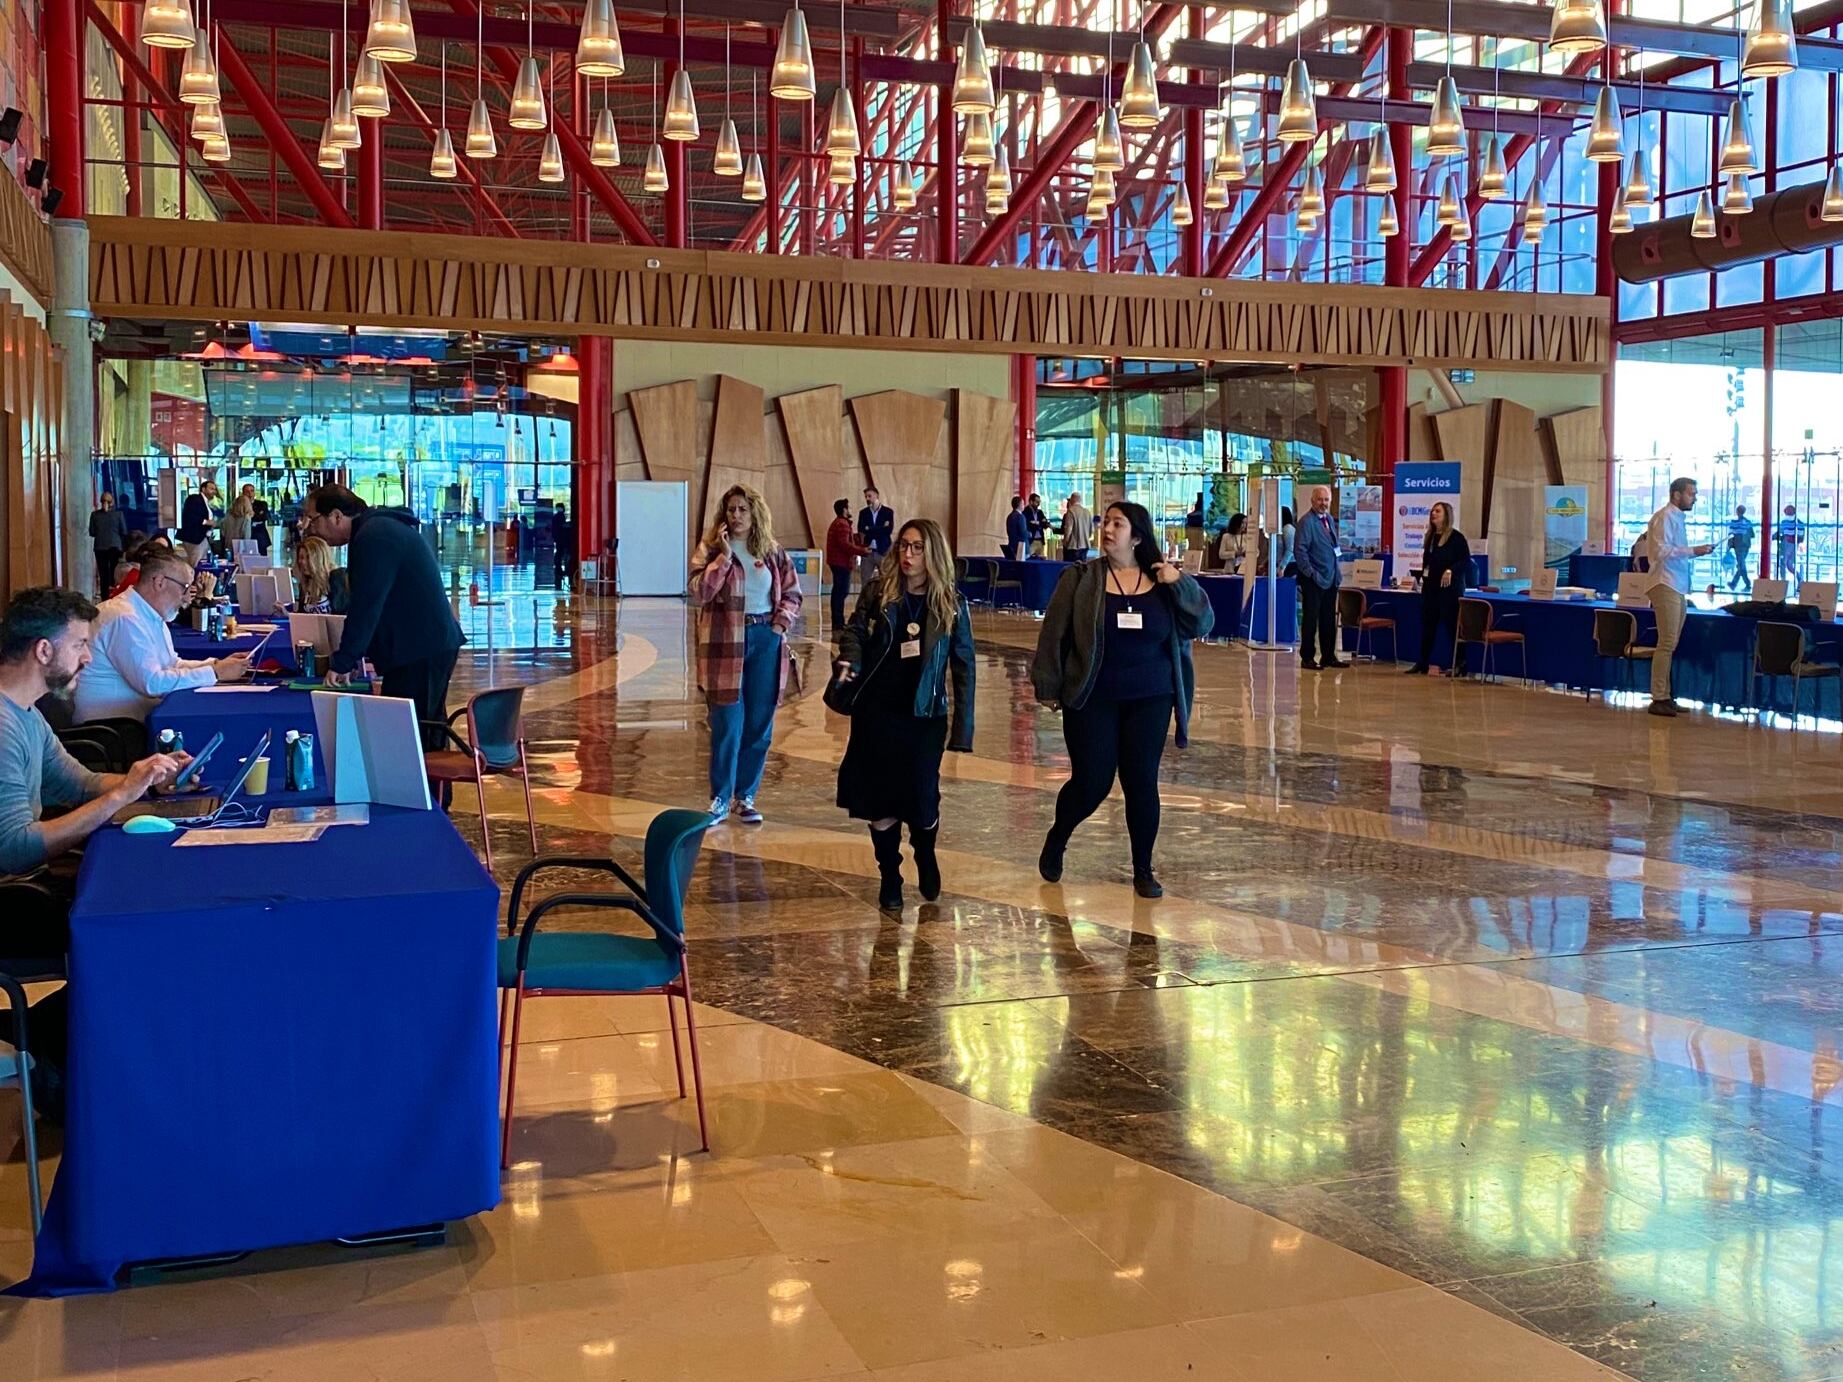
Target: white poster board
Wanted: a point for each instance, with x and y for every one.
(1764, 589)
(654, 518)
(1366, 574)
(1823, 594)
(1634, 588)
(372, 748)
(1419, 485)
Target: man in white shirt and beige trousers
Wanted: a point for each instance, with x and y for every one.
(1671, 553)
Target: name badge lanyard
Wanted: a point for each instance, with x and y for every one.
(1129, 618)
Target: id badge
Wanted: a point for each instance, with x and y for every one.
(912, 648)
(1131, 619)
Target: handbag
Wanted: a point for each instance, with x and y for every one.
(841, 696)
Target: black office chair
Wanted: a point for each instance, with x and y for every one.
(20, 897)
(976, 585)
(1615, 635)
(1779, 651)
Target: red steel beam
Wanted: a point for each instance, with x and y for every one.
(400, 96)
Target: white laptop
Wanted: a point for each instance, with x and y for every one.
(1764, 589)
(261, 593)
(372, 748)
(322, 630)
(1542, 584)
(1634, 588)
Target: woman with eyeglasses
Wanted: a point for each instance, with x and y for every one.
(909, 639)
(1114, 657)
(1446, 562)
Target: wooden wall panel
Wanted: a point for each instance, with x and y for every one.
(666, 422)
(781, 488)
(985, 461)
(1575, 447)
(1463, 435)
(1518, 474)
(1421, 443)
(204, 271)
(901, 434)
(735, 455)
(810, 422)
(31, 419)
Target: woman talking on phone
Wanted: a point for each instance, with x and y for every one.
(1114, 657)
(909, 637)
(750, 592)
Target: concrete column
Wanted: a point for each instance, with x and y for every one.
(69, 325)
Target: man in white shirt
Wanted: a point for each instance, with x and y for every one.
(134, 661)
(1670, 550)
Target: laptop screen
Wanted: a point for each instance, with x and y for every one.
(249, 762)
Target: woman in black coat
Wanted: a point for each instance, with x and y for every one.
(1446, 562)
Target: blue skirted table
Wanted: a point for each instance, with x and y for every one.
(195, 646)
(1037, 576)
(1243, 614)
(1713, 663)
(1599, 572)
(273, 1044)
(242, 714)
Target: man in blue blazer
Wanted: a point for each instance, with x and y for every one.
(1315, 554)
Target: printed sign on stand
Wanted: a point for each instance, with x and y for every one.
(1419, 485)
(1564, 523)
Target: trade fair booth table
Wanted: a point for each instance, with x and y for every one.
(273, 1044)
(1243, 614)
(1036, 577)
(242, 711)
(195, 646)
(1713, 663)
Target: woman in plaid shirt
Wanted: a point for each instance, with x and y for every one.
(750, 592)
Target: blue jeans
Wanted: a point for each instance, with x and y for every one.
(740, 733)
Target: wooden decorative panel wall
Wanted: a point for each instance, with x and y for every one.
(25, 241)
(203, 271)
(666, 419)
(1463, 435)
(985, 462)
(1517, 476)
(901, 436)
(810, 423)
(1422, 445)
(735, 454)
(1575, 443)
(31, 418)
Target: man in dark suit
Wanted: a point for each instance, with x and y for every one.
(1315, 555)
(877, 530)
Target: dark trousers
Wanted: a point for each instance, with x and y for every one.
(107, 559)
(841, 594)
(1109, 738)
(1317, 620)
(425, 683)
(1439, 605)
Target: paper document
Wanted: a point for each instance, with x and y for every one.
(355, 813)
(262, 835)
(232, 689)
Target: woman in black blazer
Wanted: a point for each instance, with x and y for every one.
(1446, 562)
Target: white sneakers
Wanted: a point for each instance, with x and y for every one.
(719, 810)
(743, 807)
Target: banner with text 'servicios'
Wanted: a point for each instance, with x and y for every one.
(1419, 485)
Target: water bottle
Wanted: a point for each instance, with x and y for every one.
(301, 756)
(291, 760)
(169, 742)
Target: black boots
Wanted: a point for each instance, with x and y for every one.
(888, 847)
(1146, 884)
(926, 866)
(1049, 862)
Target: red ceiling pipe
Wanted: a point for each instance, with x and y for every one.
(946, 151)
(281, 138)
(64, 101)
(1192, 236)
(371, 175)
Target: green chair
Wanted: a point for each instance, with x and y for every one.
(577, 964)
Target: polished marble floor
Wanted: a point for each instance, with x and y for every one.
(1483, 1033)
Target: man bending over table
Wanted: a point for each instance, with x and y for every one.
(399, 616)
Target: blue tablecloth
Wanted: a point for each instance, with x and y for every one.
(1239, 616)
(1599, 573)
(242, 715)
(1038, 578)
(189, 643)
(1713, 663)
(274, 1045)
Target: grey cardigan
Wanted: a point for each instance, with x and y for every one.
(1070, 647)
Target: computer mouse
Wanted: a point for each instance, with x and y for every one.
(150, 825)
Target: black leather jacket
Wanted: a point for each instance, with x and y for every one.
(869, 638)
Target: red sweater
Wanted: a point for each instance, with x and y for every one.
(842, 545)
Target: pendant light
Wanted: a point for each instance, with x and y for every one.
(754, 184)
(527, 112)
(1737, 144)
(841, 170)
(167, 24)
(1638, 179)
(332, 157)
(1298, 106)
(198, 78)
(791, 78)
(1181, 214)
(481, 144)
(727, 161)
(1831, 208)
(345, 125)
(1461, 228)
(1736, 199)
(842, 128)
(369, 96)
(973, 93)
(680, 122)
(1702, 224)
(1577, 26)
(655, 178)
(604, 143)
(1387, 225)
(1109, 148)
(550, 162)
(216, 149)
(1447, 214)
(1606, 137)
(1494, 178)
(598, 43)
(1216, 195)
(1772, 46)
(1231, 159)
(1305, 223)
(391, 34)
(1446, 127)
(1379, 176)
(1102, 185)
(441, 159)
(207, 122)
(1312, 194)
(976, 145)
(998, 185)
(1139, 104)
(903, 197)
(1620, 221)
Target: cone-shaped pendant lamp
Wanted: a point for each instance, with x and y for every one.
(1101, 185)
(1737, 144)
(1448, 212)
(1298, 106)
(1387, 224)
(842, 127)
(1702, 224)
(1606, 137)
(791, 78)
(198, 79)
(1535, 210)
(1736, 199)
(528, 112)
(215, 149)
(1494, 178)
(1461, 228)
(1380, 175)
(680, 121)
(1638, 181)
(976, 148)
(1446, 127)
(972, 80)
(1216, 195)
(331, 155)
(1620, 222)
(391, 34)
(655, 179)
(996, 203)
(903, 195)
(998, 176)
(1312, 194)
(1772, 48)
(481, 143)
(167, 24)
(441, 159)
(727, 161)
(345, 123)
(550, 162)
(370, 98)
(1304, 223)
(754, 183)
(605, 144)
(1831, 208)
(1231, 159)
(1139, 106)
(598, 45)
(1181, 214)
(842, 170)
(1109, 150)
(1577, 26)
(207, 121)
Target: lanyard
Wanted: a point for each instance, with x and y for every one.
(1113, 579)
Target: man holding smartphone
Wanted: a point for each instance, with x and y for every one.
(1672, 553)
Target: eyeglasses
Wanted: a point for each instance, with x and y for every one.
(916, 547)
